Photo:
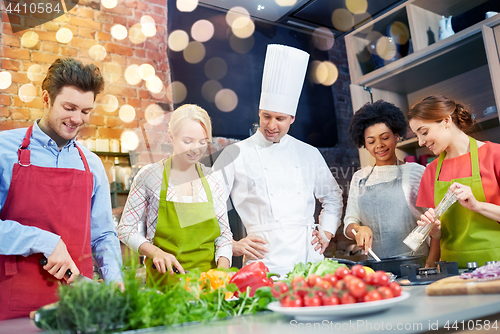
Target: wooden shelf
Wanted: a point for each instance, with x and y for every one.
(116, 154)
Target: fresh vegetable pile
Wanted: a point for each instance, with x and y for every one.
(343, 287)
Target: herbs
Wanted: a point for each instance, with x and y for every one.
(103, 308)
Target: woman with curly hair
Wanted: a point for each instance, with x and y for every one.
(381, 204)
(469, 230)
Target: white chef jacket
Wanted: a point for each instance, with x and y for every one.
(273, 187)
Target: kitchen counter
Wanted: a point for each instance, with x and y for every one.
(417, 314)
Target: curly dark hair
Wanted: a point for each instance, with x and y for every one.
(72, 72)
(373, 113)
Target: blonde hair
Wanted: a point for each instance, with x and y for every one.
(190, 112)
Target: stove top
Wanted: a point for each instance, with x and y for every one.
(413, 275)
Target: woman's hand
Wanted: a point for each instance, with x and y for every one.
(465, 196)
(429, 217)
(364, 238)
(223, 262)
(163, 261)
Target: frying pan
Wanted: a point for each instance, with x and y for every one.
(390, 264)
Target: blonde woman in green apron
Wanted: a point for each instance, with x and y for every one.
(176, 214)
(381, 204)
(469, 230)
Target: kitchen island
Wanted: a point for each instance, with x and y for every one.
(418, 314)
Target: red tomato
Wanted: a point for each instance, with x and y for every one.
(312, 280)
(395, 288)
(347, 298)
(342, 272)
(312, 300)
(381, 278)
(372, 295)
(279, 288)
(385, 291)
(323, 285)
(292, 300)
(349, 278)
(299, 285)
(358, 271)
(370, 278)
(331, 278)
(340, 285)
(357, 287)
(330, 299)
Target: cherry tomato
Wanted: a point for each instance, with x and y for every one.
(370, 278)
(347, 298)
(348, 279)
(292, 300)
(312, 280)
(381, 278)
(385, 291)
(357, 288)
(279, 288)
(331, 278)
(323, 285)
(340, 285)
(299, 285)
(312, 299)
(358, 271)
(372, 296)
(395, 288)
(330, 299)
(342, 272)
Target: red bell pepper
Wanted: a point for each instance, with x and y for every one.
(254, 275)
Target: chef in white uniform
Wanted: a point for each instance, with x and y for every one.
(274, 179)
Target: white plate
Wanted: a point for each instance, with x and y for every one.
(334, 311)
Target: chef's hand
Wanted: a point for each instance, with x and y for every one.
(465, 196)
(364, 238)
(429, 217)
(320, 242)
(250, 246)
(164, 261)
(59, 262)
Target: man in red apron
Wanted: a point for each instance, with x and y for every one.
(54, 197)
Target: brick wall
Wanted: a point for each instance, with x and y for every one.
(90, 24)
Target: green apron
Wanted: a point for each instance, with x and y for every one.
(186, 230)
(467, 236)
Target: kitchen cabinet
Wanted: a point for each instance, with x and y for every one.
(464, 67)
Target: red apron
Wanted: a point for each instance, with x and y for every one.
(53, 199)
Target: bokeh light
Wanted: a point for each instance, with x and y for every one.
(97, 52)
(226, 100)
(109, 3)
(202, 30)
(27, 92)
(323, 72)
(154, 114)
(342, 19)
(399, 32)
(210, 89)
(135, 34)
(194, 52)
(286, 3)
(323, 39)
(129, 140)
(178, 40)
(146, 72)
(243, 27)
(132, 75)
(29, 39)
(178, 91)
(148, 26)
(216, 68)
(241, 46)
(154, 85)
(35, 73)
(5, 80)
(386, 48)
(64, 35)
(357, 6)
(186, 5)
(331, 75)
(109, 103)
(235, 13)
(127, 113)
(119, 32)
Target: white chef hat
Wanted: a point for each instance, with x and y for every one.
(284, 71)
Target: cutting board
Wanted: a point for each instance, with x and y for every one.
(455, 285)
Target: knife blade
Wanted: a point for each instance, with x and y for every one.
(43, 261)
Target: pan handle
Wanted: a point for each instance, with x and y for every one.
(345, 261)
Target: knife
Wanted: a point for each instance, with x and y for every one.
(43, 261)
